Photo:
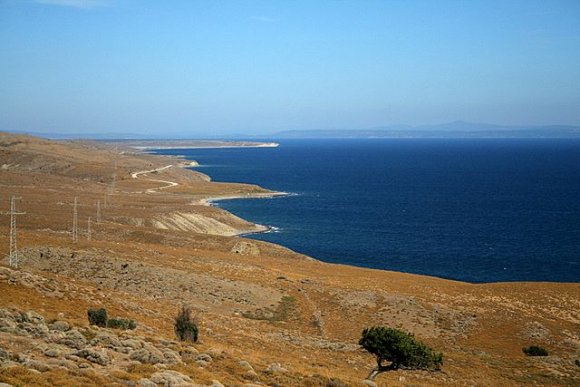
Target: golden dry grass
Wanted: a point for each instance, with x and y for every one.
(479, 328)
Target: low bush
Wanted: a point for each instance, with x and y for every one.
(186, 326)
(98, 317)
(535, 350)
(121, 323)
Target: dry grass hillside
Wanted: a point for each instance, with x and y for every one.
(267, 315)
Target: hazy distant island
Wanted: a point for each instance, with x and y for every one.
(455, 129)
(185, 139)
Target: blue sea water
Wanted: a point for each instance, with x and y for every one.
(473, 210)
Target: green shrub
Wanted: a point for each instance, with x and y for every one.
(185, 326)
(98, 317)
(400, 348)
(121, 323)
(535, 350)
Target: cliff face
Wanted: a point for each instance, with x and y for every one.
(267, 315)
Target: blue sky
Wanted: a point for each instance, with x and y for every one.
(222, 67)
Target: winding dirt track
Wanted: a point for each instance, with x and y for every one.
(167, 183)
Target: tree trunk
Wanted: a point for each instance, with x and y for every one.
(377, 370)
(374, 372)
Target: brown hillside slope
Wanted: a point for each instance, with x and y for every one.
(158, 247)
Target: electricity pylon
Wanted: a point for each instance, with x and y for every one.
(98, 211)
(89, 229)
(75, 229)
(13, 243)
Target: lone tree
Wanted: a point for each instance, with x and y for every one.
(185, 326)
(400, 348)
(98, 317)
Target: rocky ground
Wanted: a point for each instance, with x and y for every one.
(45, 352)
(267, 315)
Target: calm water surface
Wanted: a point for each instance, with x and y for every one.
(472, 210)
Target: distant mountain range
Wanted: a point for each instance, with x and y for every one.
(456, 129)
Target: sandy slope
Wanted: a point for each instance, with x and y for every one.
(257, 302)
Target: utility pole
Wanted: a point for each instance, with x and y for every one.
(75, 230)
(98, 211)
(13, 245)
(89, 229)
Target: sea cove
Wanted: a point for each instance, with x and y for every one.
(472, 210)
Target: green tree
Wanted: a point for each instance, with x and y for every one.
(185, 326)
(98, 317)
(399, 348)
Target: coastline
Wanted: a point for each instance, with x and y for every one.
(259, 302)
(208, 201)
(260, 228)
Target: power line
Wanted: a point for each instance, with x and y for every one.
(13, 242)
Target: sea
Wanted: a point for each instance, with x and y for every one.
(475, 210)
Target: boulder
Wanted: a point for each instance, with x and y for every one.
(21, 357)
(105, 339)
(205, 357)
(189, 354)
(4, 356)
(30, 317)
(168, 343)
(73, 339)
(16, 331)
(275, 368)
(55, 336)
(146, 383)
(6, 313)
(250, 375)
(170, 378)
(245, 365)
(141, 355)
(37, 365)
(171, 357)
(147, 356)
(61, 326)
(35, 330)
(215, 353)
(7, 323)
(51, 352)
(132, 343)
(94, 356)
(68, 364)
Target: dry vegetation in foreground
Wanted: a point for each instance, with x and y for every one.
(265, 315)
